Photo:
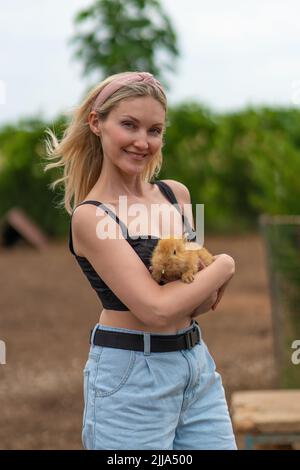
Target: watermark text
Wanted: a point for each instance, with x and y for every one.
(155, 220)
(2, 352)
(296, 354)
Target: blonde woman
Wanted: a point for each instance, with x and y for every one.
(149, 381)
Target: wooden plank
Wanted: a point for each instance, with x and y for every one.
(25, 227)
(266, 411)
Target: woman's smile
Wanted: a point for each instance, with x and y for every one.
(136, 156)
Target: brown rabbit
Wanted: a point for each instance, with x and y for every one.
(172, 259)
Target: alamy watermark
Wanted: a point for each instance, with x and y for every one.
(295, 358)
(2, 352)
(145, 221)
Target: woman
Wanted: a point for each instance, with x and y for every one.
(149, 381)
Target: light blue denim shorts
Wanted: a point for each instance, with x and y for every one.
(136, 400)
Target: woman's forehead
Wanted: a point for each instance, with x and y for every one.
(141, 108)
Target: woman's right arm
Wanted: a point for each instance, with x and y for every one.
(123, 271)
(178, 299)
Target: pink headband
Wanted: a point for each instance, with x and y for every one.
(116, 84)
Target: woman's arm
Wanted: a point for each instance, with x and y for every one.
(177, 299)
(206, 306)
(183, 197)
(123, 271)
(213, 300)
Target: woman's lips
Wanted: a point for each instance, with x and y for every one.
(136, 156)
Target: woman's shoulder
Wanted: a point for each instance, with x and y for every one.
(180, 190)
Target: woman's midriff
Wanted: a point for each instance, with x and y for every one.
(126, 319)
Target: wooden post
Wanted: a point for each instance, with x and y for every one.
(17, 224)
(281, 237)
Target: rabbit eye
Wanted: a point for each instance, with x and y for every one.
(174, 252)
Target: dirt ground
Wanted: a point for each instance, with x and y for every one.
(48, 308)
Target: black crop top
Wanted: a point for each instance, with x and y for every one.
(141, 245)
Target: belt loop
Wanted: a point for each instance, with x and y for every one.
(93, 331)
(147, 344)
(199, 330)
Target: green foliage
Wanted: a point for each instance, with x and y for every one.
(238, 165)
(282, 242)
(124, 36)
(23, 182)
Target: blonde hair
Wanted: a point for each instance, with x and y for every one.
(80, 151)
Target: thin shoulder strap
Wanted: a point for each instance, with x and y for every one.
(107, 210)
(169, 193)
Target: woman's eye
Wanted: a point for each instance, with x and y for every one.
(155, 130)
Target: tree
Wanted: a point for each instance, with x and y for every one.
(125, 36)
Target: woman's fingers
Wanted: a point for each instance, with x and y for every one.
(201, 264)
(220, 294)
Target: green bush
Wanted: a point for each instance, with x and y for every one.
(23, 182)
(238, 165)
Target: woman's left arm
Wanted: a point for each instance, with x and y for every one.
(182, 195)
(212, 302)
(205, 306)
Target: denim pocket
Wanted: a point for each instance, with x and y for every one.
(113, 370)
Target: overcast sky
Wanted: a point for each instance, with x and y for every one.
(233, 54)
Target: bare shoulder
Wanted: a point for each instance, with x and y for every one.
(116, 263)
(180, 190)
(84, 219)
(84, 214)
(183, 197)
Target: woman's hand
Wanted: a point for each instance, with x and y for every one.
(221, 290)
(211, 302)
(206, 305)
(220, 293)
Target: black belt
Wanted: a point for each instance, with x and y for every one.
(135, 342)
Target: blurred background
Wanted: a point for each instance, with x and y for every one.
(232, 73)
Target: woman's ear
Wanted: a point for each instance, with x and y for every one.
(94, 123)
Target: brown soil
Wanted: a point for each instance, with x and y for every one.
(47, 310)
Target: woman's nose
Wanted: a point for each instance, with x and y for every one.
(141, 138)
(141, 143)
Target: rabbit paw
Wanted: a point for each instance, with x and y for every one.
(187, 277)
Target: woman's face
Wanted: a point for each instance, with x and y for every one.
(132, 134)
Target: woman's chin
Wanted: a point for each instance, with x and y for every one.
(134, 168)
